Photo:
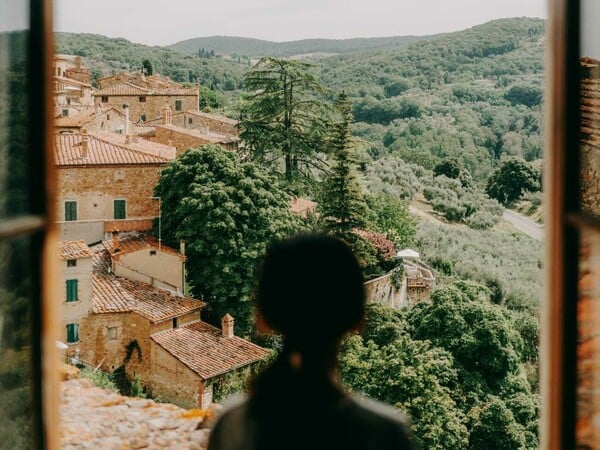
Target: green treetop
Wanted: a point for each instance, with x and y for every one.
(283, 120)
(227, 211)
(342, 204)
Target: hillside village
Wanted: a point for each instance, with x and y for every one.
(125, 307)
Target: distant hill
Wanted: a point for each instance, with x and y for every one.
(229, 45)
(106, 55)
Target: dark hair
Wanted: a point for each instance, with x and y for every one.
(310, 289)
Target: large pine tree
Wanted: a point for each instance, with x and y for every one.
(342, 204)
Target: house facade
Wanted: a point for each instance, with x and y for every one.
(145, 96)
(105, 183)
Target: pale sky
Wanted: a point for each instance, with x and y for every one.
(161, 22)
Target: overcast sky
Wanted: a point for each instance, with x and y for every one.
(160, 22)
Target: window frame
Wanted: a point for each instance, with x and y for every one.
(70, 216)
(72, 290)
(71, 263)
(75, 333)
(104, 99)
(178, 105)
(124, 203)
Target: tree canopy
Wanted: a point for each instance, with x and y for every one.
(284, 118)
(513, 178)
(227, 211)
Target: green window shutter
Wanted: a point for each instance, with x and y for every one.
(72, 333)
(120, 207)
(70, 211)
(72, 290)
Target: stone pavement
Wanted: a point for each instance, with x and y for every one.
(94, 418)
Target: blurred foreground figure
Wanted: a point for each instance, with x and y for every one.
(310, 289)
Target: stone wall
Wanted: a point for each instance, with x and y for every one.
(95, 188)
(183, 141)
(174, 382)
(210, 124)
(161, 269)
(382, 290)
(151, 107)
(94, 418)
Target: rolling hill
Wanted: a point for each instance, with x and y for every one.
(230, 45)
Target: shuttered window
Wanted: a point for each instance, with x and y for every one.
(72, 291)
(120, 209)
(70, 211)
(72, 333)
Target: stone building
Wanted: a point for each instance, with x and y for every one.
(196, 354)
(69, 92)
(75, 288)
(143, 258)
(183, 138)
(146, 331)
(105, 183)
(145, 96)
(71, 66)
(106, 119)
(202, 121)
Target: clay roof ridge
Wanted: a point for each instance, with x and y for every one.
(125, 147)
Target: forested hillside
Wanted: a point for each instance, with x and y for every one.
(231, 45)
(105, 55)
(475, 95)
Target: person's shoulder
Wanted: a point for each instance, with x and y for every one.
(389, 424)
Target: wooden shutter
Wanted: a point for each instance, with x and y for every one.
(120, 209)
(72, 290)
(70, 211)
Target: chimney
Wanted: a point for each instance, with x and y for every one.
(182, 247)
(227, 323)
(126, 109)
(115, 240)
(78, 62)
(85, 143)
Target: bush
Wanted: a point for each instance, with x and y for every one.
(99, 379)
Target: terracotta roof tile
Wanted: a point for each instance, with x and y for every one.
(121, 89)
(206, 351)
(73, 250)
(111, 294)
(130, 89)
(136, 242)
(67, 152)
(212, 137)
(71, 81)
(84, 116)
(211, 116)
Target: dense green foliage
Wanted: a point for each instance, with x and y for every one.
(512, 179)
(284, 119)
(453, 364)
(227, 211)
(99, 379)
(105, 56)
(341, 203)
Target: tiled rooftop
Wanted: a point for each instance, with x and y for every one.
(217, 138)
(130, 89)
(111, 294)
(122, 89)
(101, 151)
(136, 242)
(212, 116)
(71, 81)
(84, 116)
(205, 350)
(73, 250)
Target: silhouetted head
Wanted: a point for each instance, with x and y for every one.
(310, 289)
